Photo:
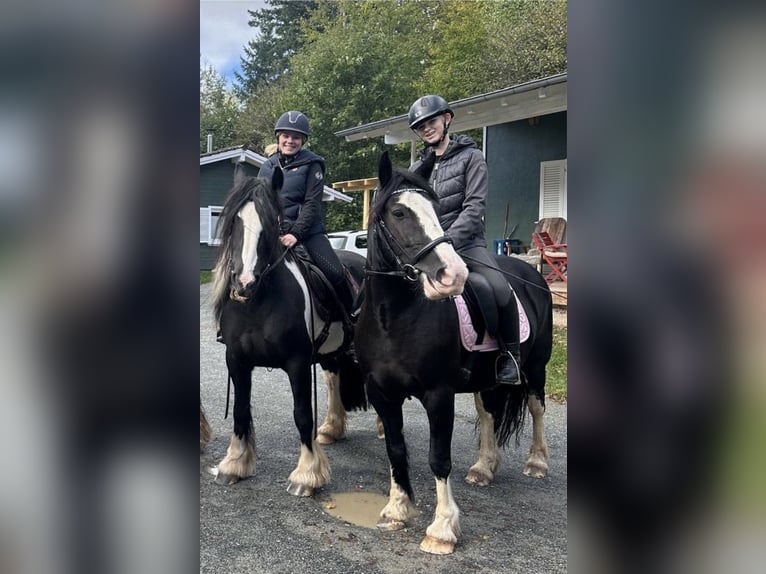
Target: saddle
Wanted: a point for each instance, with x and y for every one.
(478, 316)
(323, 296)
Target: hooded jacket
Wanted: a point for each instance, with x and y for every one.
(301, 194)
(459, 179)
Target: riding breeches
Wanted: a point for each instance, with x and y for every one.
(324, 257)
(508, 321)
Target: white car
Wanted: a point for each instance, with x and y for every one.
(355, 241)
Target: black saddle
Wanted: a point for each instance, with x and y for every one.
(480, 300)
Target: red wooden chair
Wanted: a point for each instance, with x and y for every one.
(554, 255)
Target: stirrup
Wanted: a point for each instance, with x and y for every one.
(506, 366)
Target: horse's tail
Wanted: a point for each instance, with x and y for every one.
(508, 405)
(352, 393)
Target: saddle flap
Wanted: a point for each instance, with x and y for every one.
(480, 300)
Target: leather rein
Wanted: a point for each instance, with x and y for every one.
(405, 267)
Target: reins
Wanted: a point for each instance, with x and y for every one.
(509, 274)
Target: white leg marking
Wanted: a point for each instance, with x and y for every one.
(483, 472)
(398, 511)
(441, 535)
(537, 463)
(334, 426)
(335, 336)
(240, 458)
(313, 471)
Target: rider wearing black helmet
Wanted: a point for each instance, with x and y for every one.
(457, 171)
(301, 198)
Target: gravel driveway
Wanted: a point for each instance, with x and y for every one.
(518, 524)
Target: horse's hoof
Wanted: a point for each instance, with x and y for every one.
(391, 525)
(326, 439)
(299, 489)
(435, 546)
(477, 478)
(536, 470)
(227, 479)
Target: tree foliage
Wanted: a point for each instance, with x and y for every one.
(267, 58)
(346, 63)
(218, 110)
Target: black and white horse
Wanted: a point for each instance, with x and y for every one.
(268, 319)
(408, 345)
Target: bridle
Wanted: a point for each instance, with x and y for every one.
(404, 266)
(259, 277)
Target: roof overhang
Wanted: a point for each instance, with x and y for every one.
(530, 99)
(244, 155)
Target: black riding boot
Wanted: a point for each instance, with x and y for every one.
(508, 363)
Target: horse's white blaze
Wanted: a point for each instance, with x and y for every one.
(252, 231)
(446, 524)
(454, 271)
(335, 335)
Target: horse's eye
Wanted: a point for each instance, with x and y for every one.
(398, 213)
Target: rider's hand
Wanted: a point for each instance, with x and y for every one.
(288, 240)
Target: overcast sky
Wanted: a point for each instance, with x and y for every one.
(223, 32)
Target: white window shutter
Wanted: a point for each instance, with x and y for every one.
(204, 224)
(553, 188)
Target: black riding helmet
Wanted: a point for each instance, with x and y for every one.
(292, 121)
(426, 108)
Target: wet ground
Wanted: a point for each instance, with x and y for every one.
(517, 524)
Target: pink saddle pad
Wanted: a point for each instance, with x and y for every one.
(468, 334)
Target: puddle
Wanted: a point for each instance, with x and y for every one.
(359, 508)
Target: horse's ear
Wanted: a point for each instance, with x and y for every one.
(240, 175)
(426, 166)
(385, 169)
(277, 179)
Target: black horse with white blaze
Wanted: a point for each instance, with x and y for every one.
(268, 318)
(408, 345)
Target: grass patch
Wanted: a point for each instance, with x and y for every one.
(205, 277)
(556, 379)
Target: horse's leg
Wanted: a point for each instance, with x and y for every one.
(239, 461)
(313, 469)
(399, 508)
(379, 429)
(537, 462)
(442, 533)
(334, 426)
(483, 471)
(205, 432)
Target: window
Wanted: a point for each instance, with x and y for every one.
(553, 189)
(208, 221)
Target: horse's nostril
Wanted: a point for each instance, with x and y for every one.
(442, 276)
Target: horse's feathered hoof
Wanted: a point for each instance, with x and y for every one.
(391, 525)
(227, 479)
(299, 489)
(434, 546)
(536, 469)
(478, 478)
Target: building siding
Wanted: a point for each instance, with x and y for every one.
(216, 180)
(514, 153)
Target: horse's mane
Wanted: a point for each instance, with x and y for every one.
(268, 207)
(400, 178)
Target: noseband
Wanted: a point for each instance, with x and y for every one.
(406, 268)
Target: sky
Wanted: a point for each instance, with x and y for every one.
(223, 32)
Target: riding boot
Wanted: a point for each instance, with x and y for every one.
(508, 363)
